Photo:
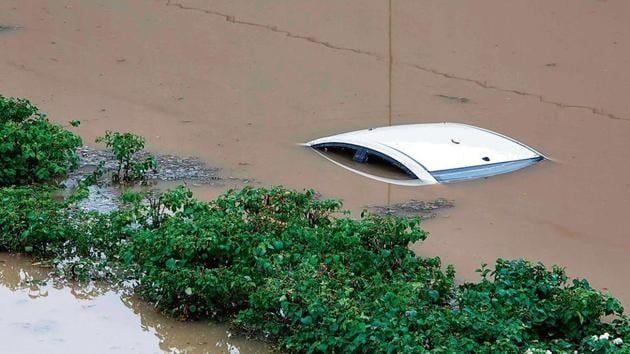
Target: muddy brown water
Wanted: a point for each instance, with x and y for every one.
(240, 84)
(41, 315)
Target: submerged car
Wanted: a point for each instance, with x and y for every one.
(431, 153)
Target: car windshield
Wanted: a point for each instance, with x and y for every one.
(366, 160)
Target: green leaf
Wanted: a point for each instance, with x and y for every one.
(171, 264)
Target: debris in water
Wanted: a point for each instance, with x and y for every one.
(424, 209)
(455, 99)
(7, 28)
(104, 198)
(170, 167)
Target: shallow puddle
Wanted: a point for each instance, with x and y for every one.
(41, 315)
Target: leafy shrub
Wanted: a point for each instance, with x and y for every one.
(522, 304)
(126, 147)
(33, 149)
(277, 263)
(294, 270)
(32, 221)
(36, 221)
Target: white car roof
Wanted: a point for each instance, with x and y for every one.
(427, 148)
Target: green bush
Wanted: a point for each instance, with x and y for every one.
(33, 149)
(286, 267)
(32, 221)
(520, 304)
(281, 264)
(36, 221)
(125, 148)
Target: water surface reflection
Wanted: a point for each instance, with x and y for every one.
(41, 314)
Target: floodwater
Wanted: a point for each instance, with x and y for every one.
(240, 84)
(41, 315)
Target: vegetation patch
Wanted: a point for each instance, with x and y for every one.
(298, 271)
(33, 149)
(125, 147)
(294, 270)
(169, 167)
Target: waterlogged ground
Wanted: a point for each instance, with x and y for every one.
(239, 84)
(171, 171)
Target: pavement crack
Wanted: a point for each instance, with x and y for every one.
(541, 98)
(232, 19)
